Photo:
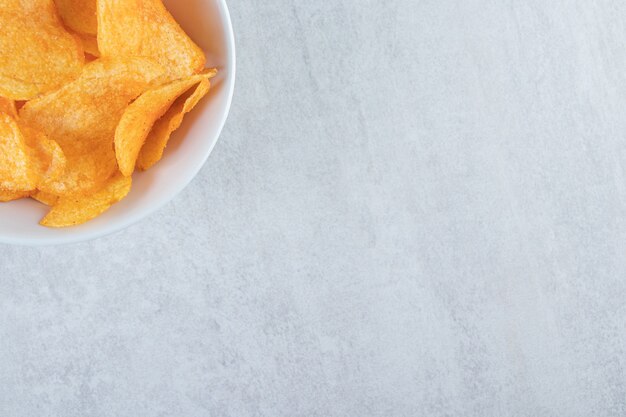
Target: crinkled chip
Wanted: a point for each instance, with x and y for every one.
(75, 210)
(79, 15)
(141, 115)
(145, 28)
(8, 106)
(37, 54)
(45, 198)
(82, 118)
(16, 158)
(156, 142)
(6, 195)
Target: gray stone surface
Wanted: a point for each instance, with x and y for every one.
(417, 208)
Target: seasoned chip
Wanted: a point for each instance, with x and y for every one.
(7, 106)
(72, 133)
(145, 28)
(6, 196)
(90, 44)
(45, 198)
(155, 143)
(83, 115)
(16, 158)
(49, 160)
(141, 115)
(79, 15)
(75, 210)
(38, 54)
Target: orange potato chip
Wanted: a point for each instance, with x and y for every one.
(45, 198)
(79, 15)
(6, 196)
(16, 158)
(38, 54)
(71, 134)
(28, 158)
(145, 28)
(49, 161)
(90, 44)
(75, 210)
(8, 106)
(141, 115)
(156, 142)
(83, 115)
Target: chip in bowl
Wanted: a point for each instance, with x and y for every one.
(72, 133)
(73, 210)
(8, 107)
(79, 15)
(6, 195)
(38, 53)
(138, 120)
(83, 115)
(17, 160)
(28, 159)
(145, 28)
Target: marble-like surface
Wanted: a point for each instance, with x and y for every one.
(417, 208)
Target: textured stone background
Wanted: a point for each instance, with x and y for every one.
(417, 208)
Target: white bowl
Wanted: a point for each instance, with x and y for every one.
(208, 23)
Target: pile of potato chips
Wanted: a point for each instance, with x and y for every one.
(89, 90)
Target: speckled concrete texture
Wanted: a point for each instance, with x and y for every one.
(417, 208)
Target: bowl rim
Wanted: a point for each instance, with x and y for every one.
(187, 178)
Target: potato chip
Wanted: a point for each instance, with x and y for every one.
(49, 160)
(16, 158)
(90, 44)
(8, 107)
(145, 28)
(79, 15)
(75, 210)
(6, 196)
(141, 115)
(38, 54)
(72, 133)
(83, 115)
(45, 198)
(37, 158)
(156, 142)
